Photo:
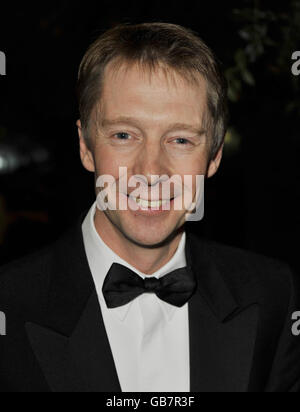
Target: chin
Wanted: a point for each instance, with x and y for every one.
(147, 232)
(148, 241)
(151, 237)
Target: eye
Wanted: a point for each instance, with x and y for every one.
(122, 136)
(181, 141)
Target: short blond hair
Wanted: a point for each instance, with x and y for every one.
(152, 44)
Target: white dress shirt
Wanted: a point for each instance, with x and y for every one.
(125, 325)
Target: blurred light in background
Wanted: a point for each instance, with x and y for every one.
(20, 152)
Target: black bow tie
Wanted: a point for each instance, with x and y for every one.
(122, 285)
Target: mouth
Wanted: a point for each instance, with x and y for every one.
(154, 204)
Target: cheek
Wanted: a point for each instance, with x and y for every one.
(107, 163)
(193, 166)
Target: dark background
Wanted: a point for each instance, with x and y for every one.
(252, 203)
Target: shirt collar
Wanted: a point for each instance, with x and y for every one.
(101, 257)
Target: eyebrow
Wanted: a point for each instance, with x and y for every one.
(135, 123)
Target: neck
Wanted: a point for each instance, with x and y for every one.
(145, 260)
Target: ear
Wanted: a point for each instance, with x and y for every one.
(215, 163)
(86, 155)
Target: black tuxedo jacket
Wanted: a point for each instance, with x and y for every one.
(240, 323)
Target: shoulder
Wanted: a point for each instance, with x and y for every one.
(232, 260)
(33, 272)
(269, 280)
(24, 283)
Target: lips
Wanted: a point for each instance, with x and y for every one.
(153, 204)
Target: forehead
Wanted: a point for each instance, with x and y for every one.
(158, 93)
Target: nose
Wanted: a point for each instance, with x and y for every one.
(151, 161)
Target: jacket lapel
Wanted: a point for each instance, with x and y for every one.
(222, 332)
(72, 346)
(82, 362)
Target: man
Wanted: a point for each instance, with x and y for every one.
(129, 300)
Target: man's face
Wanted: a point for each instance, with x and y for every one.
(153, 125)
